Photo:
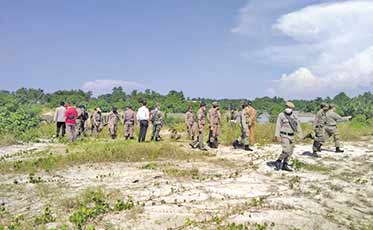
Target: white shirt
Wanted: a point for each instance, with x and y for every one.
(59, 115)
(143, 113)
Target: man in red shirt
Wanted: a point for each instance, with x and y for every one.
(71, 115)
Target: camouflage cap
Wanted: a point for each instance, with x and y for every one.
(202, 103)
(332, 105)
(215, 103)
(290, 104)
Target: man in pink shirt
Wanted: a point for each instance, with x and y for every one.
(71, 115)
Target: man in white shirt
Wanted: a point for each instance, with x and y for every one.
(143, 116)
(60, 119)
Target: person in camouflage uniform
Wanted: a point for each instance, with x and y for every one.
(189, 122)
(242, 119)
(251, 121)
(331, 130)
(319, 126)
(113, 122)
(96, 121)
(129, 120)
(201, 121)
(214, 119)
(287, 126)
(157, 122)
(83, 116)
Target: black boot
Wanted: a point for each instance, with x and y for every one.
(278, 165)
(319, 148)
(236, 144)
(285, 167)
(247, 148)
(339, 150)
(314, 154)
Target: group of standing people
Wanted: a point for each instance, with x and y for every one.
(246, 118)
(288, 125)
(74, 121)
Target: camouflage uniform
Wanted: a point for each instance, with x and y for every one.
(319, 125)
(214, 119)
(189, 122)
(201, 117)
(129, 119)
(81, 120)
(243, 140)
(157, 121)
(331, 130)
(251, 122)
(113, 123)
(96, 123)
(286, 134)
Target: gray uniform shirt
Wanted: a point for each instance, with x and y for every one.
(332, 118)
(283, 125)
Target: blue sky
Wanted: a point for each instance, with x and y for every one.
(234, 49)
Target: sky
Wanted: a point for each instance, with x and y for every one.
(205, 48)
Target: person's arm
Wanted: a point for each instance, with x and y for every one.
(278, 127)
(55, 115)
(138, 115)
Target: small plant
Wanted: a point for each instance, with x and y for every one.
(16, 223)
(295, 181)
(45, 218)
(150, 166)
(121, 205)
(33, 179)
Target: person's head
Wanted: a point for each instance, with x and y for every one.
(244, 104)
(129, 107)
(62, 103)
(215, 104)
(324, 106)
(115, 109)
(249, 103)
(203, 105)
(289, 107)
(98, 109)
(143, 103)
(158, 106)
(190, 108)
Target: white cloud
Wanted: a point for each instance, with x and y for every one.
(335, 44)
(99, 87)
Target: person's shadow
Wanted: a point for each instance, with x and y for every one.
(307, 154)
(271, 164)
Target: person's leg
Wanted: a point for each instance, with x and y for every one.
(252, 135)
(73, 132)
(200, 139)
(141, 131)
(146, 125)
(63, 125)
(58, 128)
(285, 144)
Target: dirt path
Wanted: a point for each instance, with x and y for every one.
(233, 186)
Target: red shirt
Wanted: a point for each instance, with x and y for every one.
(71, 115)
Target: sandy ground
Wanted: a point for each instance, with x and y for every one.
(233, 186)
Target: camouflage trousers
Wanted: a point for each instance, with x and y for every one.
(129, 130)
(190, 130)
(244, 138)
(156, 132)
(96, 130)
(332, 131)
(287, 144)
(319, 138)
(113, 128)
(71, 132)
(214, 134)
(199, 141)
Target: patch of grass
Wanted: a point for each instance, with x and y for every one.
(97, 152)
(297, 165)
(45, 218)
(185, 173)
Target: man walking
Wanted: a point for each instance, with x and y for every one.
(82, 119)
(96, 122)
(286, 127)
(143, 119)
(113, 122)
(201, 121)
(331, 130)
(251, 121)
(157, 122)
(71, 115)
(243, 140)
(129, 118)
(189, 122)
(214, 119)
(60, 119)
(319, 126)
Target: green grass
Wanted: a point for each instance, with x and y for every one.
(95, 152)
